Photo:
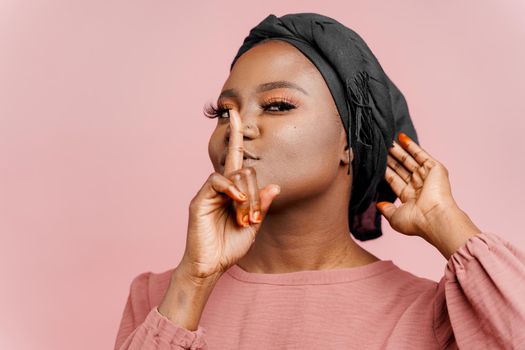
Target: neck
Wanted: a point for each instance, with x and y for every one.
(310, 235)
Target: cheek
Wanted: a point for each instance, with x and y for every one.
(307, 146)
(306, 157)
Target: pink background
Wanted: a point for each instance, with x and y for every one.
(103, 142)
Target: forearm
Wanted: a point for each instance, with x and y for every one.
(185, 299)
(450, 229)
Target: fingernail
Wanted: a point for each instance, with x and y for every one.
(403, 139)
(257, 216)
(276, 189)
(242, 196)
(245, 220)
(382, 204)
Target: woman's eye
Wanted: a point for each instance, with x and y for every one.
(273, 107)
(224, 113)
(278, 106)
(221, 113)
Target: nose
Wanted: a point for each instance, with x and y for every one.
(250, 130)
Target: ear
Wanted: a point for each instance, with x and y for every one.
(348, 155)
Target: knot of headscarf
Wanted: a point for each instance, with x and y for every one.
(371, 107)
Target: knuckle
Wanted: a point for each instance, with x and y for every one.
(429, 163)
(236, 177)
(249, 171)
(193, 204)
(214, 177)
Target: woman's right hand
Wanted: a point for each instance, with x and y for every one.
(217, 237)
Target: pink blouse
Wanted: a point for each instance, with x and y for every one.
(479, 303)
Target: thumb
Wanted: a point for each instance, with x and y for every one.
(386, 208)
(267, 195)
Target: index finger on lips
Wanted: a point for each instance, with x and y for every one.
(235, 153)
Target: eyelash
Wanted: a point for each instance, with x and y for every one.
(210, 111)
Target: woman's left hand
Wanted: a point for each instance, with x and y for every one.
(427, 207)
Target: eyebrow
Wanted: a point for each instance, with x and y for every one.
(266, 87)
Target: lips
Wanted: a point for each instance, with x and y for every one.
(247, 155)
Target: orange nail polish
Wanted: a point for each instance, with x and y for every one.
(403, 139)
(382, 204)
(245, 220)
(242, 196)
(257, 216)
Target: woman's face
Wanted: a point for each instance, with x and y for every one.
(290, 122)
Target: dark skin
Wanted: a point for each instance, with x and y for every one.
(308, 228)
(304, 151)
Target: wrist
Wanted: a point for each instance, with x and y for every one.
(450, 228)
(185, 298)
(195, 274)
(182, 274)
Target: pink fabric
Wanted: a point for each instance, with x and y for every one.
(479, 303)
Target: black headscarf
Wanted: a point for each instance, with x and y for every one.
(371, 107)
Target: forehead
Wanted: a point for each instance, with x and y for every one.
(271, 61)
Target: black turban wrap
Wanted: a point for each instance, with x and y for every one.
(371, 107)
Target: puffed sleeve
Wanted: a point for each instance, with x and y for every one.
(143, 327)
(480, 300)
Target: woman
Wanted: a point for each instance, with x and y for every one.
(303, 153)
